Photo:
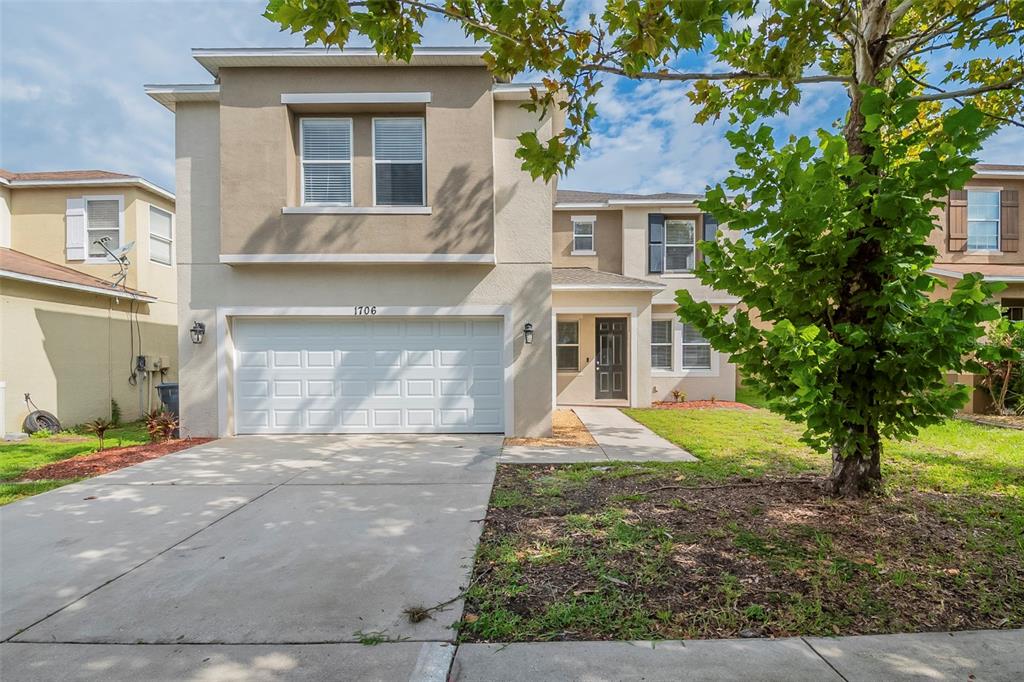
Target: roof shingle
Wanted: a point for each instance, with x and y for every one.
(12, 261)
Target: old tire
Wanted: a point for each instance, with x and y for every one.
(39, 420)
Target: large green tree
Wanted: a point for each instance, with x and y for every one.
(849, 337)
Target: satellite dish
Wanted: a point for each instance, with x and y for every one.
(123, 250)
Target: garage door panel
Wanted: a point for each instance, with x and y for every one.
(388, 375)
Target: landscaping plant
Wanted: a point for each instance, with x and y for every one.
(115, 413)
(836, 266)
(98, 427)
(161, 425)
(1005, 373)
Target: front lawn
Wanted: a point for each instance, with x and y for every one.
(18, 457)
(743, 544)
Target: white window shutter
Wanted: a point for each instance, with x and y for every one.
(75, 218)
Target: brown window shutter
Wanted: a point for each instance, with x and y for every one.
(1009, 220)
(956, 219)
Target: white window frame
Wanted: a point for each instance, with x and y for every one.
(169, 241)
(568, 345)
(998, 191)
(683, 343)
(423, 163)
(120, 225)
(670, 343)
(678, 371)
(692, 245)
(583, 220)
(302, 162)
(1006, 312)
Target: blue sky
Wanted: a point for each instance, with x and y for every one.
(71, 76)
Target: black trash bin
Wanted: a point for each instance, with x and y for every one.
(169, 396)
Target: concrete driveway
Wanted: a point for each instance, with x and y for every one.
(297, 547)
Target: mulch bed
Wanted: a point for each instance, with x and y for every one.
(745, 558)
(566, 431)
(701, 405)
(105, 461)
(1005, 421)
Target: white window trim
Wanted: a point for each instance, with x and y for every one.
(169, 242)
(670, 343)
(568, 345)
(302, 163)
(998, 191)
(120, 225)
(592, 219)
(677, 371)
(423, 163)
(692, 245)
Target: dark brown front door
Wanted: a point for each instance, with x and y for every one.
(610, 358)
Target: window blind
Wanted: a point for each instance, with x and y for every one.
(398, 155)
(326, 160)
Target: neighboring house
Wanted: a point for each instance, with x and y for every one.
(979, 230)
(69, 337)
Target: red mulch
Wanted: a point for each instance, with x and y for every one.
(701, 405)
(105, 461)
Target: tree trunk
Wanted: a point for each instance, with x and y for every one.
(857, 472)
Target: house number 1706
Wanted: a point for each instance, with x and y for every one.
(366, 310)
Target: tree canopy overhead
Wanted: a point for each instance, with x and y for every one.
(840, 324)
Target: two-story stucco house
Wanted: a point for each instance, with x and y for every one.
(365, 254)
(74, 321)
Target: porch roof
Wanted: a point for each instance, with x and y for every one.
(585, 279)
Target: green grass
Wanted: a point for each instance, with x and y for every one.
(17, 457)
(645, 550)
(748, 396)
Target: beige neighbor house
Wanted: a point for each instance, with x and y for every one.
(68, 336)
(365, 254)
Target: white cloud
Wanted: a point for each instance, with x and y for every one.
(14, 90)
(1006, 146)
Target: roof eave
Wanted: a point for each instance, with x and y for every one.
(96, 182)
(213, 59)
(102, 291)
(606, 287)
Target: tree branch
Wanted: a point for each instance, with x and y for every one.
(968, 92)
(710, 76)
(959, 101)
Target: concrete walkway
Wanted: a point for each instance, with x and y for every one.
(621, 438)
(289, 550)
(993, 656)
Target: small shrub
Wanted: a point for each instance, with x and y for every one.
(160, 425)
(115, 413)
(99, 427)
(41, 433)
(679, 396)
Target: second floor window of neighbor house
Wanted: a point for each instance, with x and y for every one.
(326, 158)
(680, 245)
(398, 162)
(159, 236)
(102, 219)
(982, 220)
(583, 235)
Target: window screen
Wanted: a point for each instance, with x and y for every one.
(103, 220)
(982, 220)
(159, 236)
(398, 161)
(567, 346)
(661, 344)
(680, 241)
(696, 350)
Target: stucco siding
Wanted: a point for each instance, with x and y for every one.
(259, 163)
(607, 241)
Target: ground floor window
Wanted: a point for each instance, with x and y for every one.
(567, 346)
(1013, 309)
(661, 344)
(696, 349)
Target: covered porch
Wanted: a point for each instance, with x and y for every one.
(601, 345)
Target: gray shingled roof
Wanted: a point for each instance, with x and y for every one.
(575, 196)
(585, 278)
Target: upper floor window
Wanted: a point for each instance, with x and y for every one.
(102, 225)
(661, 344)
(680, 245)
(982, 220)
(696, 349)
(160, 244)
(326, 158)
(399, 177)
(583, 235)
(567, 346)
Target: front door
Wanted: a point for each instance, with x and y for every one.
(610, 358)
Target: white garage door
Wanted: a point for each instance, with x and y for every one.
(386, 375)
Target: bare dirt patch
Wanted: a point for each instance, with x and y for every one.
(701, 405)
(579, 552)
(567, 431)
(105, 461)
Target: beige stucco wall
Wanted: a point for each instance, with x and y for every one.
(938, 236)
(578, 388)
(607, 241)
(259, 165)
(521, 279)
(5, 216)
(72, 351)
(718, 383)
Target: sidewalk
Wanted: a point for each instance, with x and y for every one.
(621, 438)
(979, 656)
